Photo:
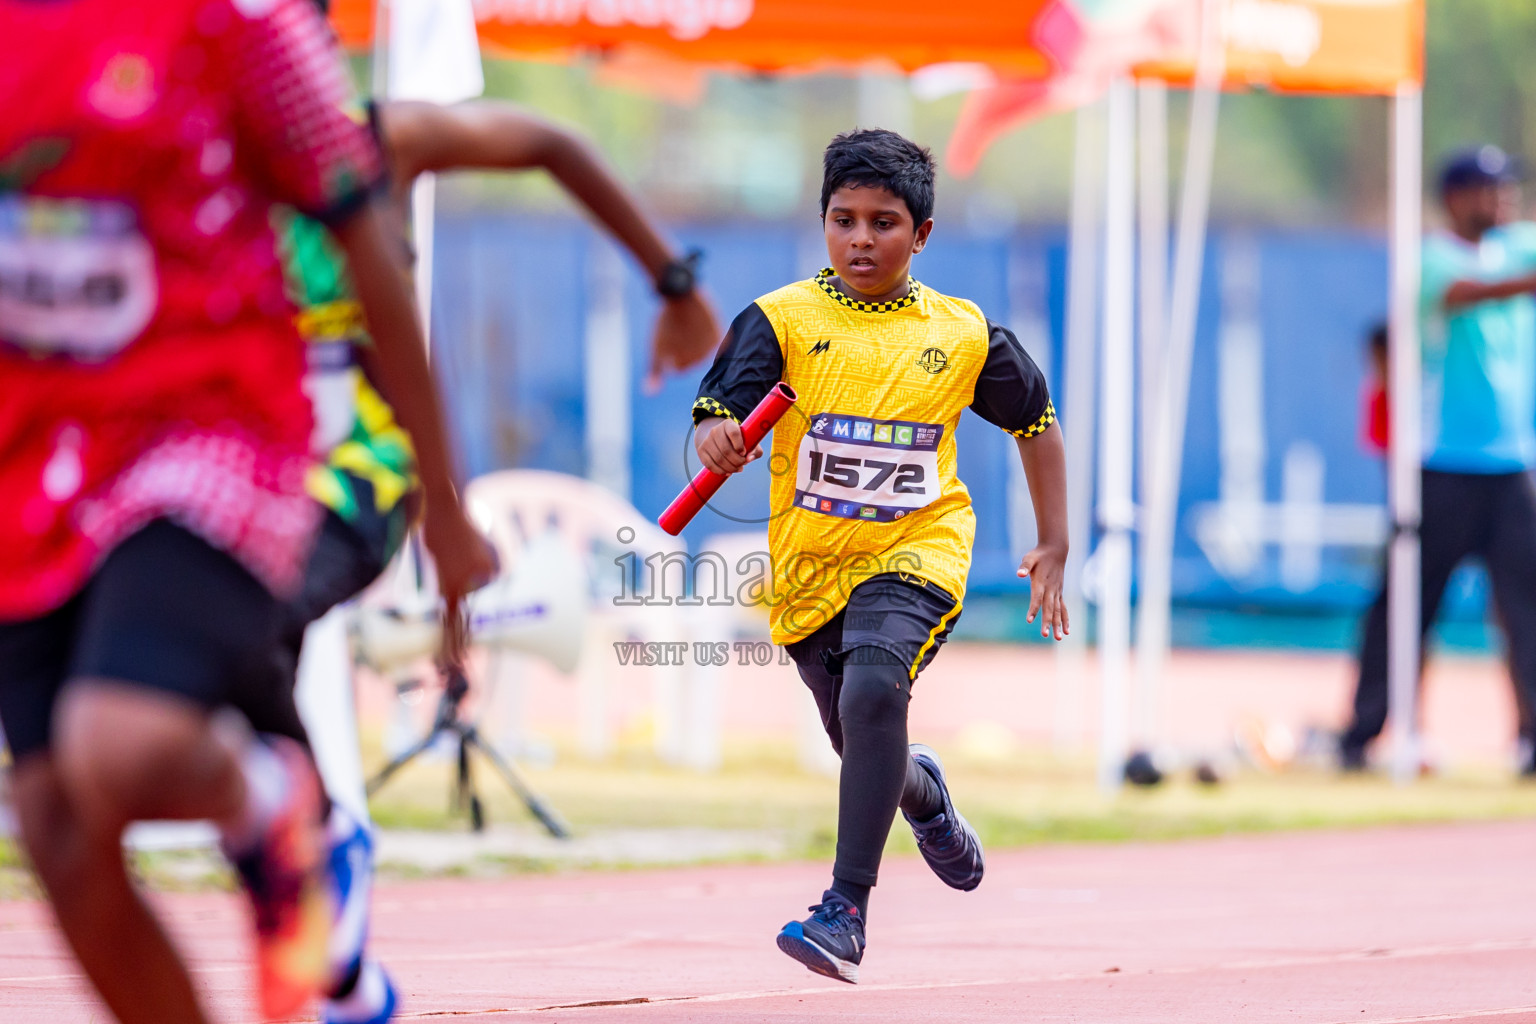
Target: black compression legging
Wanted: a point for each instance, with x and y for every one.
(865, 713)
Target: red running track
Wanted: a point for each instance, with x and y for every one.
(1407, 924)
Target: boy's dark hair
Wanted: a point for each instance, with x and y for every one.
(876, 158)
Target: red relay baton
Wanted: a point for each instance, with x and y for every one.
(706, 481)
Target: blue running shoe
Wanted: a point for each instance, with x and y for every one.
(361, 990)
(372, 1000)
(830, 941)
(947, 841)
(351, 870)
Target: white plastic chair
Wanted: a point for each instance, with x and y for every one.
(512, 506)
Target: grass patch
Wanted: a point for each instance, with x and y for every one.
(1021, 800)
(1026, 799)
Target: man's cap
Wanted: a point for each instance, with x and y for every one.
(1480, 165)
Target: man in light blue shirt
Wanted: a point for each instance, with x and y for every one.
(1478, 329)
(1477, 320)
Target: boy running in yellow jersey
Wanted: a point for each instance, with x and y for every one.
(871, 529)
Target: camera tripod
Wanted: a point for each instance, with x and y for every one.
(449, 720)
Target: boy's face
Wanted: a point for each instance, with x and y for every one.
(871, 239)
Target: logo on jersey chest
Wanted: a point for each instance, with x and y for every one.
(933, 360)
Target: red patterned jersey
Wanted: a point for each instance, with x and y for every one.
(148, 362)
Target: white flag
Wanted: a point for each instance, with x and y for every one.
(434, 54)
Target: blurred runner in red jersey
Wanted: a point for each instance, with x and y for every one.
(153, 449)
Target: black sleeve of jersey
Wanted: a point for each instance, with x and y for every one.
(1011, 391)
(747, 367)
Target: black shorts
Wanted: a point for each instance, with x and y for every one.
(165, 611)
(902, 614)
(348, 556)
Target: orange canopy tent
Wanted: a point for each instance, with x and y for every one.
(1354, 47)
(1014, 36)
(1358, 47)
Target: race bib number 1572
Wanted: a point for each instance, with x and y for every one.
(874, 470)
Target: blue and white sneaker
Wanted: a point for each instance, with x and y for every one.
(830, 941)
(351, 868)
(361, 991)
(372, 1000)
(947, 841)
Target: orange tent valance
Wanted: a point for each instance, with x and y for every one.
(1326, 46)
(766, 35)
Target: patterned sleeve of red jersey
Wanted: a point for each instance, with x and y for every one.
(299, 117)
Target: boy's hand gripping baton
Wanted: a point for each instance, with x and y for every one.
(706, 482)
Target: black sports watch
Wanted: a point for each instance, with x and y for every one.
(680, 276)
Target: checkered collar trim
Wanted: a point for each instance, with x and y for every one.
(909, 299)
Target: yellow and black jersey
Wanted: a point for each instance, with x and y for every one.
(864, 465)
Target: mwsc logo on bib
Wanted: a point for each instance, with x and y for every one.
(683, 19)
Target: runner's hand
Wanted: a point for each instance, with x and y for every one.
(454, 647)
(686, 332)
(1045, 568)
(465, 562)
(721, 447)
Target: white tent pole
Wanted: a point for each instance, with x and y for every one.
(606, 354)
(434, 55)
(1152, 211)
(1152, 139)
(423, 230)
(1405, 444)
(378, 79)
(1167, 444)
(1078, 379)
(1117, 440)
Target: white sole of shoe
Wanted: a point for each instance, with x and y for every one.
(800, 948)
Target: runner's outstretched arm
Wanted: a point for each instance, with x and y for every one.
(463, 557)
(495, 135)
(1045, 468)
